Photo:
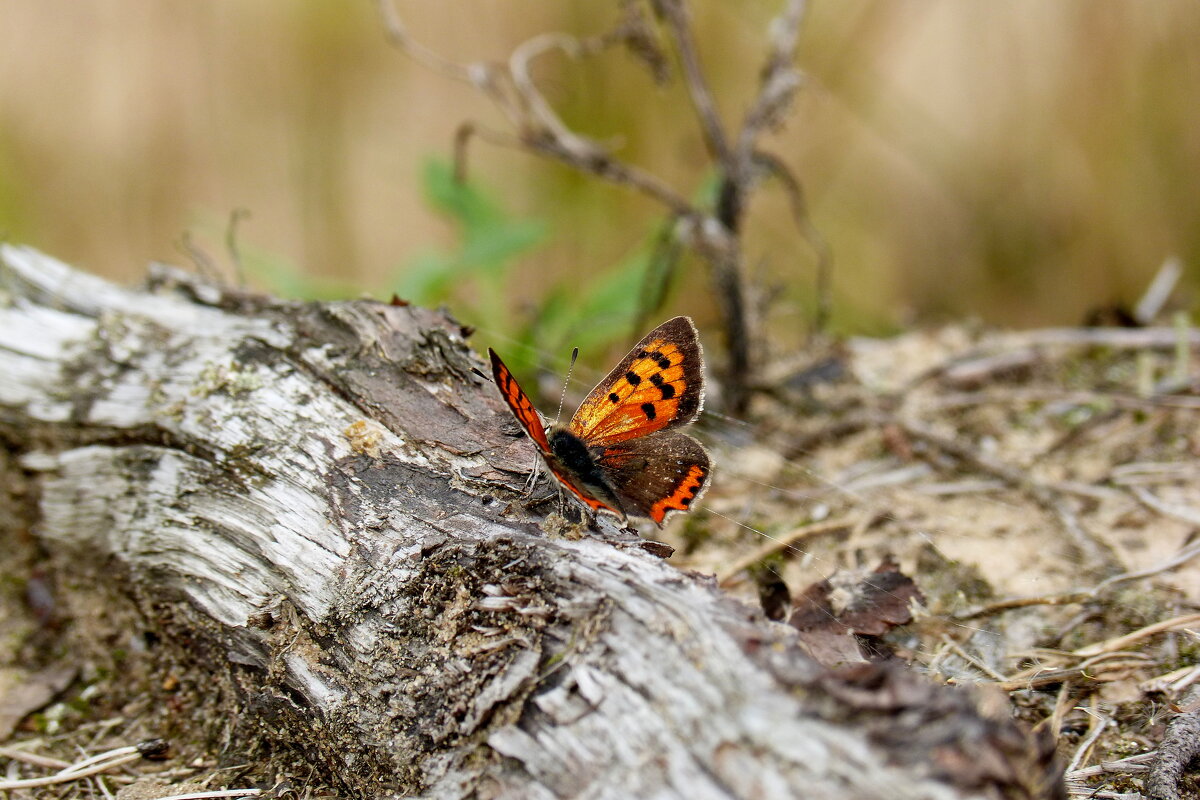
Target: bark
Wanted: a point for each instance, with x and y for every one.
(315, 505)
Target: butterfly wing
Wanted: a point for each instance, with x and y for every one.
(519, 403)
(655, 476)
(589, 488)
(658, 385)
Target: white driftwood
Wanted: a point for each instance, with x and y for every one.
(311, 489)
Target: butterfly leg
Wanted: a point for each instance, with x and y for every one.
(535, 472)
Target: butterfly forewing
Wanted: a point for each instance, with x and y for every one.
(519, 402)
(658, 385)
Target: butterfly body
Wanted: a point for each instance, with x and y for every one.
(572, 459)
(619, 453)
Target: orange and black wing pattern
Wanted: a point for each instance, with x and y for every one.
(653, 477)
(519, 402)
(658, 385)
(619, 452)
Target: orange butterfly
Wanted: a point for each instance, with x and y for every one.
(618, 453)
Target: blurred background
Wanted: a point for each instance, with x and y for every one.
(1019, 163)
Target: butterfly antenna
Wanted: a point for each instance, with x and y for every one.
(566, 383)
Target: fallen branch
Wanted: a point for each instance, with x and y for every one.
(312, 509)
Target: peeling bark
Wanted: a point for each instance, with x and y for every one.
(315, 504)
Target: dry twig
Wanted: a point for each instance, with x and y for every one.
(1121, 642)
(80, 769)
(1179, 747)
(1079, 595)
(714, 235)
(1099, 723)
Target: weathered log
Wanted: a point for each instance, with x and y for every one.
(315, 507)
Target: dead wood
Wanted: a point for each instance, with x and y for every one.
(311, 509)
(1179, 748)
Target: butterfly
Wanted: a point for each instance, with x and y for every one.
(621, 452)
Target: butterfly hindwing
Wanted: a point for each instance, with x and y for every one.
(658, 385)
(519, 402)
(583, 493)
(657, 475)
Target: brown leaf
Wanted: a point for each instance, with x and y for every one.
(27, 692)
(830, 613)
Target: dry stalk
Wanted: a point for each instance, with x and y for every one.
(1121, 642)
(714, 234)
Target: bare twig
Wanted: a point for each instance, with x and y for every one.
(1179, 747)
(780, 79)
(1139, 472)
(958, 650)
(1099, 723)
(200, 258)
(610, 169)
(1061, 704)
(462, 141)
(537, 108)
(1180, 558)
(537, 128)
(218, 793)
(1172, 682)
(1121, 642)
(1159, 290)
(676, 16)
(1080, 595)
(398, 34)
(1125, 765)
(1093, 672)
(1182, 513)
(1002, 396)
(82, 769)
(1011, 603)
(1118, 338)
(32, 758)
(1186, 680)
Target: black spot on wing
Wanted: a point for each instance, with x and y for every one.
(614, 398)
(648, 410)
(665, 389)
(633, 378)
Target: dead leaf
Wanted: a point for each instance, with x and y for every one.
(830, 614)
(22, 693)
